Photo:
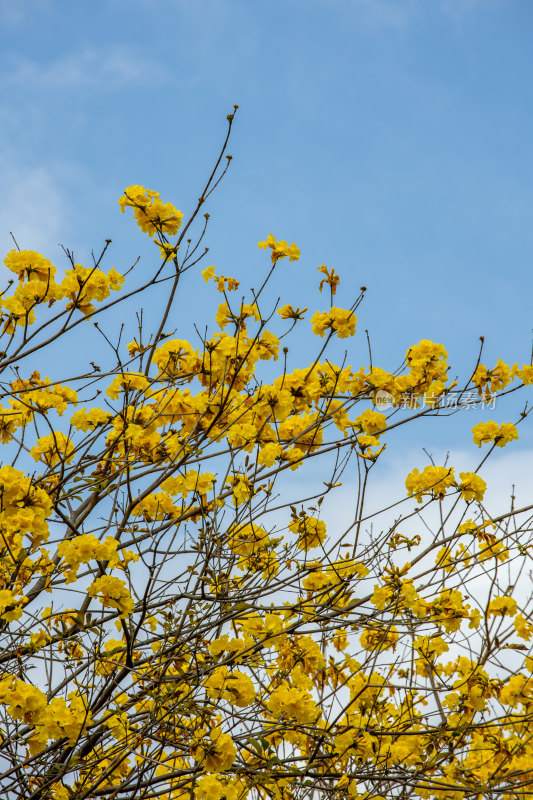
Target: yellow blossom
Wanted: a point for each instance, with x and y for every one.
(112, 592)
(433, 481)
(486, 432)
(502, 606)
(311, 531)
(280, 249)
(339, 320)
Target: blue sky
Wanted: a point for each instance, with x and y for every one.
(390, 139)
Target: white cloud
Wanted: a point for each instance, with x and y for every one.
(106, 68)
(400, 13)
(33, 208)
(16, 12)
(378, 13)
(388, 13)
(461, 10)
(505, 473)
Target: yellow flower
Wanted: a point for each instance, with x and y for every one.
(208, 273)
(53, 449)
(127, 382)
(310, 530)
(432, 481)
(331, 279)
(280, 249)
(242, 489)
(381, 596)
(235, 687)
(59, 792)
(209, 788)
(269, 453)
(502, 606)
(152, 215)
(485, 432)
(84, 548)
(39, 639)
(113, 593)
(339, 320)
(288, 312)
(83, 285)
(371, 422)
(167, 250)
(84, 420)
(472, 487)
(523, 627)
(26, 702)
(292, 702)
(218, 754)
(526, 374)
(379, 638)
(430, 647)
(28, 264)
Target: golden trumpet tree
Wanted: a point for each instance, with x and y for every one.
(181, 617)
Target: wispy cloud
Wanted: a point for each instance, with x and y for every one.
(375, 13)
(13, 14)
(389, 13)
(460, 10)
(109, 68)
(33, 209)
(398, 14)
(506, 474)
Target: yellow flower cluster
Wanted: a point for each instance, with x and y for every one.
(472, 486)
(254, 549)
(435, 482)
(53, 449)
(225, 315)
(11, 604)
(339, 320)
(31, 396)
(113, 593)
(81, 286)
(24, 511)
(379, 638)
(176, 358)
(85, 548)
(486, 432)
(89, 420)
(86, 285)
(311, 531)
(190, 481)
(449, 609)
(335, 574)
(224, 283)
(209, 787)
(280, 249)
(216, 753)
(151, 214)
(50, 720)
(371, 422)
(502, 606)
(235, 687)
(489, 381)
(291, 702)
(36, 285)
(432, 481)
(128, 382)
(288, 312)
